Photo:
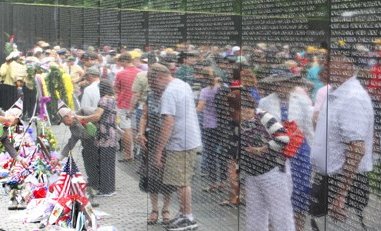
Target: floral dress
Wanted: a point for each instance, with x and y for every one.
(107, 133)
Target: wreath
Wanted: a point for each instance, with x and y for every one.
(57, 90)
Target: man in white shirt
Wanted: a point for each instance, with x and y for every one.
(90, 97)
(180, 137)
(342, 148)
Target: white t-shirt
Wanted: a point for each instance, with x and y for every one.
(91, 96)
(177, 100)
(348, 115)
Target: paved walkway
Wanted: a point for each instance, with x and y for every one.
(129, 208)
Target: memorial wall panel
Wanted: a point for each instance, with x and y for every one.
(109, 28)
(213, 6)
(166, 4)
(134, 29)
(22, 26)
(218, 30)
(77, 27)
(277, 24)
(49, 24)
(165, 29)
(91, 27)
(65, 27)
(39, 25)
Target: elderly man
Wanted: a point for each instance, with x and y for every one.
(342, 161)
(180, 137)
(79, 132)
(90, 97)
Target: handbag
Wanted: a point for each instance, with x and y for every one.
(143, 183)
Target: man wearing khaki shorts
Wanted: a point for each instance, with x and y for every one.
(180, 136)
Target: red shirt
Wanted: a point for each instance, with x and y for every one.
(374, 84)
(123, 84)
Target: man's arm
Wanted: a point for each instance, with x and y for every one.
(354, 154)
(69, 146)
(95, 117)
(165, 133)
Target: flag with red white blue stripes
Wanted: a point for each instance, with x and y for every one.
(70, 181)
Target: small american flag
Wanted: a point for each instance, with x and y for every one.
(70, 181)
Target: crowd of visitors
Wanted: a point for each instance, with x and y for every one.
(259, 116)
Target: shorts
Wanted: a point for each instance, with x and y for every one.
(125, 122)
(180, 167)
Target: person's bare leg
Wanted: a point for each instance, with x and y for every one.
(166, 201)
(165, 212)
(234, 184)
(127, 144)
(185, 197)
(154, 201)
(300, 220)
(154, 215)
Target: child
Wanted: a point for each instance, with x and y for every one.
(268, 185)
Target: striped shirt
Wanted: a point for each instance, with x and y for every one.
(264, 129)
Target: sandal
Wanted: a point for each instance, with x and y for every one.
(153, 217)
(166, 217)
(228, 203)
(210, 189)
(126, 160)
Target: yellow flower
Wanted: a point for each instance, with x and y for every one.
(69, 88)
(311, 49)
(44, 87)
(341, 42)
